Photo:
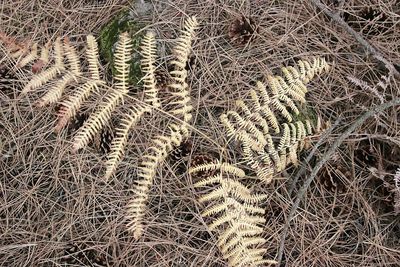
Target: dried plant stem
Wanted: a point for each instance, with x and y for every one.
(335, 17)
(325, 158)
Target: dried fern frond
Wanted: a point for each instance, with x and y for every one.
(73, 74)
(149, 50)
(60, 51)
(307, 71)
(43, 59)
(179, 87)
(237, 218)
(250, 124)
(55, 92)
(46, 75)
(156, 154)
(92, 54)
(122, 58)
(264, 156)
(72, 58)
(217, 165)
(33, 54)
(119, 141)
(163, 145)
(98, 119)
(71, 105)
(41, 79)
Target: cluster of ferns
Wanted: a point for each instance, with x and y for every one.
(264, 126)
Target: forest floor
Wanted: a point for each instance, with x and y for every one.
(56, 211)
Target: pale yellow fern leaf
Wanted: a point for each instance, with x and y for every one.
(136, 208)
(46, 75)
(122, 57)
(55, 92)
(236, 217)
(31, 56)
(149, 50)
(71, 105)
(72, 58)
(119, 141)
(98, 119)
(179, 87)
(92, 55)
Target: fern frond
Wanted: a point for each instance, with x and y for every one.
(33, 54)
(223, 166)
(43, 59)
(41, 79)
(119, 142)
(122, 58)
(92, 54)
(183, 105)
(97, 120)
(162, 144)
(282, 109)
(293, 85)
(46, 75)
(255, 117)
(72, 58)
(147, 171)
(58, 54)
(237, 218)
(308, 71)
(54, 94)
(71, 105)
(285, 139)
(149, 50)
(178, 86)
(183, 45)
(18, 52)
(44, 53)
(247, 125)
(262, 96)
(309, 127)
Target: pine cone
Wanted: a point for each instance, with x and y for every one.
(162, 79)
(200, 159)
(6, 77)
(77, 121)
(242, 30)
(181, 151)
(103, 142)
(330, 178)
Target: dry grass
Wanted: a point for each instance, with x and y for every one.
(51, 199)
